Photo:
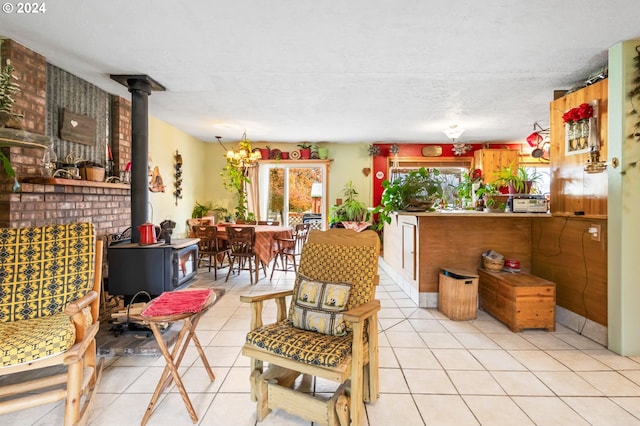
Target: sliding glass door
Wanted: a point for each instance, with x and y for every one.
(293, 193)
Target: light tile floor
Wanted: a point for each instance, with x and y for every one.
(433, 371)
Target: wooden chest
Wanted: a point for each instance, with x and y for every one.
(518, 300)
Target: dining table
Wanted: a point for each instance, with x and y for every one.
(264, 245)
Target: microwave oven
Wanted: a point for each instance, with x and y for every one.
(529, 204)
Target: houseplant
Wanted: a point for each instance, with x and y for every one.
(235, 178)
(305, 150)
(8, 87)
(351, 210)
(416, 191)
(494, 200)
(517, 180)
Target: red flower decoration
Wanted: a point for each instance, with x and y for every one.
(476, 175)
(583, 112)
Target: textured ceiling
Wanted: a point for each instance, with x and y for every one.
(350, 71)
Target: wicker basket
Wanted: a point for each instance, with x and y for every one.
(492, 264)
(91, 173)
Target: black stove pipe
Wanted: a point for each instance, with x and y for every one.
(140, 87)
(140, 91)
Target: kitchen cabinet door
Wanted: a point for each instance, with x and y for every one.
(491, 160)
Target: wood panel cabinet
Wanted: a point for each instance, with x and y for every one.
(491, 160)
(573, 191)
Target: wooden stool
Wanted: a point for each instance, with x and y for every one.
(167, 308)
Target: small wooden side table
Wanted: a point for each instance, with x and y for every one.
(167, 308)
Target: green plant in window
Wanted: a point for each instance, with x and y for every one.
(418, 186)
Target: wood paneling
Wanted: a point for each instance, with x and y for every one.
(491, 160)
(458, 242)
(572, 189)
(563, 252)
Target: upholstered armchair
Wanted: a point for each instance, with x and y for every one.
(329, 331)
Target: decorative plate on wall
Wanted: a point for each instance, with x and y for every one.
(275, 154)
(295, 154)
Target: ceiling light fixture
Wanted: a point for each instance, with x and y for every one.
(453, 133)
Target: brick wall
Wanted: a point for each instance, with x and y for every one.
(120, 132)
(31, 72)
(107, 205)
(38, 204)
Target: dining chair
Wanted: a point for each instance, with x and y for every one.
(211, 247)
(241, 241)
(290, 249)
(329, 331)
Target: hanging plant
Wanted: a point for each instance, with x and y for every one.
(634, 94)
(235, 178)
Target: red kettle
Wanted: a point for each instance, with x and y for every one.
(147, 233)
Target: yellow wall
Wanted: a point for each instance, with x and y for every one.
(203, 162)
(164, 140)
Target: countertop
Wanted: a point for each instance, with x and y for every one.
(471, 213)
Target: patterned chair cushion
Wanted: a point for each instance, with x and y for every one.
(318, 306)
(42, 269)
(29, 340)
(313, 348)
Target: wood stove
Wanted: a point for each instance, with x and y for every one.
(153, 268)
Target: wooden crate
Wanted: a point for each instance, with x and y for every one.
(458, 294)
(519, 300)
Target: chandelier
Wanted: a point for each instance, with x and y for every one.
(243, 156)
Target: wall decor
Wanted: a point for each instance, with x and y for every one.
(156, 184)
(77, 128)
(177, 183)
(432, 151)
(581, 129)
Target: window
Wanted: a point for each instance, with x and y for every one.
(293, 193)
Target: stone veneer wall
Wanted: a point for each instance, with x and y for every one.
(56, 202)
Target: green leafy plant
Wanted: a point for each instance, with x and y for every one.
(493, 199)
(200, 210)
(351, 210)
(8, 87)
(305, 145)
(420, 185)
(235, 178)
(519, 179)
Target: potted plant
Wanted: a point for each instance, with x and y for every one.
(351, 210)
(234, 179)
(200, 210)
(305, 150)
(469, 183)
(416, 191)
(517, 180)
(8, 87)
(494, 200)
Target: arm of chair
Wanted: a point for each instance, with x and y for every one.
(74, 310)
(362, 312)
(256, 305)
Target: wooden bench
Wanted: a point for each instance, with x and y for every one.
(519, 300)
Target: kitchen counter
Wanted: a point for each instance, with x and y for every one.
(417, 245)
(472, 213)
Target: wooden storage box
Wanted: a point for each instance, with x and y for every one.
(458, 294)
(519, 300)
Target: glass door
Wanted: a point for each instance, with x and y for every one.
(293, 193)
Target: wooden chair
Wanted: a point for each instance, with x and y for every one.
(290, 248)
(329, 260)
(241, 240)
(210, 247)
(51, 278)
